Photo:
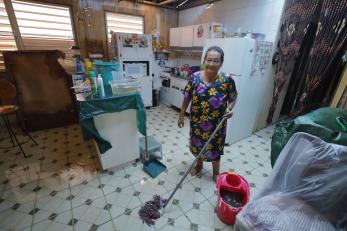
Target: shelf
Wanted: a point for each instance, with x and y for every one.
(162, 52)
(158, 55)
(187, 49)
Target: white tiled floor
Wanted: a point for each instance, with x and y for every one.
(61, 187)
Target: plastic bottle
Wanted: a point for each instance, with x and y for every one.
(93, 82)
(79, 66)
(88, 65)
(100, 85)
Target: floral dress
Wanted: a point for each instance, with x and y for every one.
(208, 105)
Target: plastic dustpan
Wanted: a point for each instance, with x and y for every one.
(153, 167)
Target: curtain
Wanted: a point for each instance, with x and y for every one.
(297, 76)
(295, 21)
(329, 46)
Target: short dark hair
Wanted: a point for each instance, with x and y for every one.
(216, 49)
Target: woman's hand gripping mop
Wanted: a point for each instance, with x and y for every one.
(154, 208)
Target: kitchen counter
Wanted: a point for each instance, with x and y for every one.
(171, 92)
(113, 122)
(180, 77)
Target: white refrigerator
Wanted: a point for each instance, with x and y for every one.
(135, 51)
(243, 57)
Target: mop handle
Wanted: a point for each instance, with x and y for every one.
(198, 156)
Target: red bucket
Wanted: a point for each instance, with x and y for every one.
(233, 194)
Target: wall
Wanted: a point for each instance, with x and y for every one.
(261, 16)
(187, 60)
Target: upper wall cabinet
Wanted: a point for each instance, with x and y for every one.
(175, 37)
(201, 32)
(187, 33)
(195, 35)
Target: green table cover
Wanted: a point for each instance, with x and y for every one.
(89, 107)
(324, 123)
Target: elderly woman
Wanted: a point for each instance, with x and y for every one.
(209, 92)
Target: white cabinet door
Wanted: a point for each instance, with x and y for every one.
(187, 33)
(119, 128)
(165, 96)
(175, 37)
(173, 91)
(201, 33)
(174, 87)
(177, 89)
(182, 84)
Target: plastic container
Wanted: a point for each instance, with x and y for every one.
(93, 82)
(234, 188)
(123, 87)
(88, 66)
(106, 70)
(79, 66)
(156, 98)
(101, 89)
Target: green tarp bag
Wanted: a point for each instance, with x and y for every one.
(329, 124)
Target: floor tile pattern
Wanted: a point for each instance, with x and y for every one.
(62, 187)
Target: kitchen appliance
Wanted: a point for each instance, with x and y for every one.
(249, 59)
(135, 55)
(139, 70)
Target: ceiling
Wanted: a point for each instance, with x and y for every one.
(173, 3)
(178, 4)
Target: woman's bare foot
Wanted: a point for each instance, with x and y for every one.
(197, 168)
(214, 177)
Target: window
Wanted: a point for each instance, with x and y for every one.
(7, 41)
(43, 26)
(123, 23)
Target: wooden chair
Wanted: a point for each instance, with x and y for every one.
(7, 92)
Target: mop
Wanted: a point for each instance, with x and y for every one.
(151, 210)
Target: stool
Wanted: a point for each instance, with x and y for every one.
(153, 146)
(8, 91)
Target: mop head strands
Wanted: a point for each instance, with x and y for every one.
(151, 210)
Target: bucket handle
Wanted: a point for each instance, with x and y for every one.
(221, 178)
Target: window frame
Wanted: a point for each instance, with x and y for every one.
(106, 26)
(15, 28)
(113, 12)
(16, 38)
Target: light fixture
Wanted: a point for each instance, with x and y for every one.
(209, 6)
(182, 3)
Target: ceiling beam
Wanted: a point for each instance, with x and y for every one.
(147, 2)
(196, 3)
